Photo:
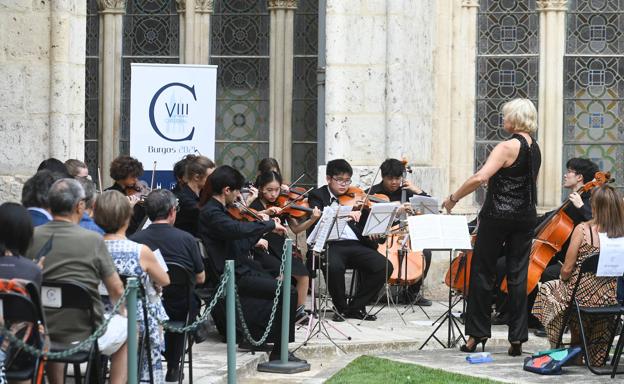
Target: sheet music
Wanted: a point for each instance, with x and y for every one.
(320, 232)
(438, 232)
(380, 218)
(160, 259)
(341, 222)
(611, 260)
(425, 204)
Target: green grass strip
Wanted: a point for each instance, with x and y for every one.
(374, 370)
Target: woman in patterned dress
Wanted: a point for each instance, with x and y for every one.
(112, 214)
(555, 296)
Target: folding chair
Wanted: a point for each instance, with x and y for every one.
(590, 265)
(21, 308)
(179, 276)
(74, 295)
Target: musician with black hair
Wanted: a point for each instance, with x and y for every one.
(228, 239)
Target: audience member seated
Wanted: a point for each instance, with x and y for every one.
(555, 296)
(176, 246)
(77, 169)
(197, 170)
(77, 255)
(15, 237)
(86, 221)
(35, 196)
(113, 213)
(54, 165)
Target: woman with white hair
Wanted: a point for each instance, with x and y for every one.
(507, 218)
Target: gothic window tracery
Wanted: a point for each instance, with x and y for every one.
(507, 67)
(240, 48)
(594, 84)
(92, 62)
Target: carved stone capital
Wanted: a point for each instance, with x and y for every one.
(180, 6)
(470, 3)
(111, 6)
(282, 4)
(204, 6)
(552, 5)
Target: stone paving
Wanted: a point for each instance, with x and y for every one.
(387, 337)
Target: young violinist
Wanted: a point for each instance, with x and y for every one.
(269, 189)
(125, 171)
(394, 185)
(352, 250)
(228, 239)
(196, 172)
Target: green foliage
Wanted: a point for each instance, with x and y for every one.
(373, 370)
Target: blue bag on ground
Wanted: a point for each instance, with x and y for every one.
(550, 362)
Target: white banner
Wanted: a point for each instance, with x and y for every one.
(172, 112)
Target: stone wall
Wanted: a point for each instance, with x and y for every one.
(42, 50)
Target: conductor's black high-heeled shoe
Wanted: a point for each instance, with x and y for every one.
(515, 349)
(475, 342)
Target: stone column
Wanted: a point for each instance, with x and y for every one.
(550, 136)
(189, 32)
(201, 44)
(67, 79)
(181, 9)
(463, 99)
(281, 82)
(111, 18)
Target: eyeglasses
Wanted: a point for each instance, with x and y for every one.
(342, 181)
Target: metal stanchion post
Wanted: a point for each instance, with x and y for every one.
(131, 309)
(283, 365)
(230, 308)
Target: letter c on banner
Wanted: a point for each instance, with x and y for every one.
(153, 104)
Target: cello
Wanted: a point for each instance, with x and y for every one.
(552, 233)
(460, 269)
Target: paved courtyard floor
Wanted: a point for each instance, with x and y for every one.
(392, 336)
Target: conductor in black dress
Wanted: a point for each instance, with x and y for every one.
(352, 251)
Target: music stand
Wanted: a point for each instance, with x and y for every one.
(318, 241)
(441, 233)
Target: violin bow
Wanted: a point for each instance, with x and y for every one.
(368, 191)
(298, 198)
(295, 182)
(100, 179)
(153, 174)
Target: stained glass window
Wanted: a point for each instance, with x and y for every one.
(91, 88)
(507, 67)
(594, 84)
(240, 47)
(150, 35)
(305, 92)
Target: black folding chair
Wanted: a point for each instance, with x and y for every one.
(590, 266)
(179, 276)
(207, 289)
(75, 296)
(20, 308)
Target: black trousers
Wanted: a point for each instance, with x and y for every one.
(492, 235)
(177, 307)
(371, 267)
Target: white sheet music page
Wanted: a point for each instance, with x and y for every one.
(319, 234)
(611, 260)
(380, 218)
(438, 232)
(425, 204)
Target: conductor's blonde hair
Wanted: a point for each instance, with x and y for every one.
(521, 114)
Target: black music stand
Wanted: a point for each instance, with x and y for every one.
(442, 233)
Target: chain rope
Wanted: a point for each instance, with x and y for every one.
(82, 346)
(278, 290)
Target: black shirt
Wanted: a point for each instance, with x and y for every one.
(396, 195)
(175, 245)
(229, 239)
(188, 216)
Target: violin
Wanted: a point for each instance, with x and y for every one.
(242, 213)
(356, 197)
(552, 233)
(294, 203)
(140, 190)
